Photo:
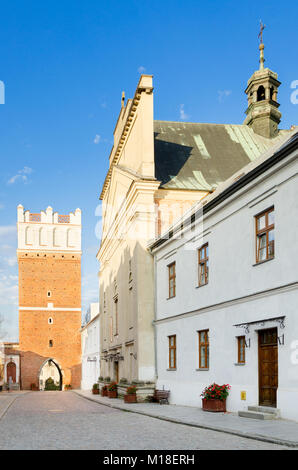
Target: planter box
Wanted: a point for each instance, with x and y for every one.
(95, 391)
(104, 392)
(130, 398)
(214, 405)
(112, 394)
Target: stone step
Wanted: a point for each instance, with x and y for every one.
(265, 409)
(256, 415)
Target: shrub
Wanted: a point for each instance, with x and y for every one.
(214, 390)
(67, 386)
(100, 378)
(123, 380)
(131, 390)
(112, 387)
(107, 379)
(95, 386)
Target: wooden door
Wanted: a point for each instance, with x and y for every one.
(268, 367)
(116, 371)
(11, 372)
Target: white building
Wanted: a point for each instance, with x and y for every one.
(90, 340)
(227, 290)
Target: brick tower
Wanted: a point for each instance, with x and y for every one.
(49, 258)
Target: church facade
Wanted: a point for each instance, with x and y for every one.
(49, 259)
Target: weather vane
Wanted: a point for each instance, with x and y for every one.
(260, 35)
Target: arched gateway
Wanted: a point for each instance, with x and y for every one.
(50, 369)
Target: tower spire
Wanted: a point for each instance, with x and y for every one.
(262, 113)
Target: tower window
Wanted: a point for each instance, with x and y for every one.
(261, 93)
(49, 293)
(50, 343)
(50, 321)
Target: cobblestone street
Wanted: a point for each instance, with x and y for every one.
(63, 420)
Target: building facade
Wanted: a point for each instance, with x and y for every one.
(90, 341)
(49, 259)
(157, 171)
(227, 290)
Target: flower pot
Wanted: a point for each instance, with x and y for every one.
(214, 405)
(130, 398)
(104, 392)
(95, 391)
(112, 393)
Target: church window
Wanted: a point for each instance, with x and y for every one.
(265, 235)
(50, 343)
(50, 321)
(203, 349)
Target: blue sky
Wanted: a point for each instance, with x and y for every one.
(65, 64)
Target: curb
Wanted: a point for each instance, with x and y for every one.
(256, 437)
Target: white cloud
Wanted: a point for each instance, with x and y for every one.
(141, 69)
(183, 115)
(22, 175)
(222, 94)
(97, 139)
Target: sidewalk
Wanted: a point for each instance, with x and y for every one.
(279, 431)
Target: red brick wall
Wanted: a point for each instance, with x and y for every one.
(60, 274)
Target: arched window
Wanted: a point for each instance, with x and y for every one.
(71, 238)
(271, 92)
(29, 236)
(261, 93)
(43, 236)
(58, 237)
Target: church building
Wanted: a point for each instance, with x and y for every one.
(157, 171)
(49, 259)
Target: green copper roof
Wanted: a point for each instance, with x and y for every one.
(201, 156)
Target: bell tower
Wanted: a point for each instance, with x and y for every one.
(262, 111)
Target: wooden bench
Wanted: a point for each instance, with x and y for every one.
(162, 396)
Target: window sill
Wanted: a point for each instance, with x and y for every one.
(239, 364)
(172, 369)
(202, 285)
(203, 369)
(264, 261)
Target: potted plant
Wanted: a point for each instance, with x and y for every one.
(112, 390)
(104, 391)
(131, 395)
(214, 397)
(95, 389)
(67, 387)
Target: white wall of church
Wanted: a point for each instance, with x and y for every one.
(238, 291)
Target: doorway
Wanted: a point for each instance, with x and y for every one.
(11, 372)
(50, 376)
(268, 367)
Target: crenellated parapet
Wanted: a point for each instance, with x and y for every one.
(48, 230)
